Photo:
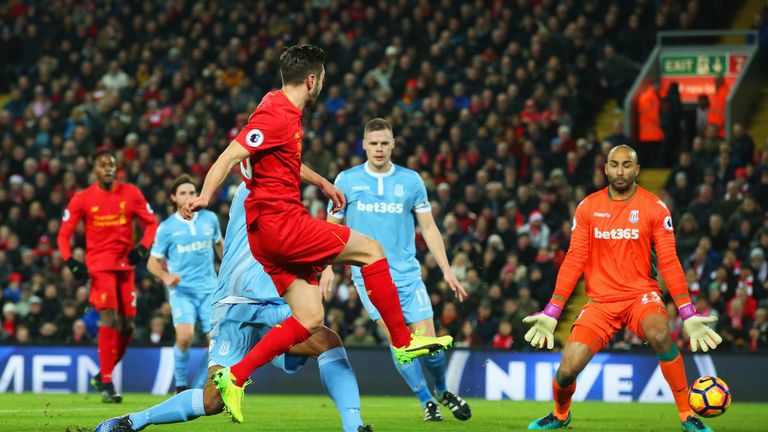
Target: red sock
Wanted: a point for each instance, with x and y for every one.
(124, 340)
(278, 340)
(108, 343)
(383, 294)
(562, 396)
(674, 373)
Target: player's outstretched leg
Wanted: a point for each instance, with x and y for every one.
(183, 407)
(576, 355)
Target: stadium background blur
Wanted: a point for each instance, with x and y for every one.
(492, 102)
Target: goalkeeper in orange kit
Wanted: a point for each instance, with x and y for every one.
(616, 233)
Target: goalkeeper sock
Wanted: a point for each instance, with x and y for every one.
(278, 340)
(340, 383)
(108, 345)
(673, 369)
(414, 377)
(185, 406)
(562, 396)
(436, 365)
(180, 366)
(383, 294)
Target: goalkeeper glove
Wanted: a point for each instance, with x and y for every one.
(698, 329)
(137, 255)
(78, 269)
(543, 325)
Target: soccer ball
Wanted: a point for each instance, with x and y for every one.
(709, 396)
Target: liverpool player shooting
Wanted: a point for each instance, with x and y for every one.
(291, 244)
(108, 209)
(616, 232)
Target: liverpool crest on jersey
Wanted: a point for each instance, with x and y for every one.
(634, 216)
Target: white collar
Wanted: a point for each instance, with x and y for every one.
(373, 173)
(181, 219)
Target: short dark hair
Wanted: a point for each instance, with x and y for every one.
(299, 61)
(101, 152)
(180, 180)
(377, 124)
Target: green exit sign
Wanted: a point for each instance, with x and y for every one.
(694, 65)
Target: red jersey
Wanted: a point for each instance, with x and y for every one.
(612, 245)
(108, 225)
(273, 171)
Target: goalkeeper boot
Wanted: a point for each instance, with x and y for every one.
(117, 424)
(694, 424)
(231, 393)
(109, 394)
(421, 345)
(366, 428)
(549, 422)
(458, 406)
(96, 382)
(432, 413)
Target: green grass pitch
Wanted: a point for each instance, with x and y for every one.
(75, 412)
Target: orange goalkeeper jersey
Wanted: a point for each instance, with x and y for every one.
(612, 243)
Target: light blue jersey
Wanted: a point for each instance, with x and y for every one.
(187, 247)
(382, 206)
(240, 275)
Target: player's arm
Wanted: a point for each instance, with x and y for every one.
(147, 217)
(156, 266)
(218, 247)
(156, 262)
(695, 325)
(72, 215)
(232, 155)
(329, 190)
(435, 244)
(542, 331)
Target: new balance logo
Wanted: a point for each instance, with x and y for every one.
(194, 246)
(380, 207)
(618, 234)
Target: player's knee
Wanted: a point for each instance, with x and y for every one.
(330, 339)
(376, 252)
(659, 340)
(312, 321)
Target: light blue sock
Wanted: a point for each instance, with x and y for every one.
(436, 365)
(185, 406)
(202, 372)
(341, 385)
(180, 366)
(414, 377)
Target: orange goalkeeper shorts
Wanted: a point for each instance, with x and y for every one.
(598, 322)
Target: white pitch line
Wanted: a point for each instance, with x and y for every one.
(11, 411)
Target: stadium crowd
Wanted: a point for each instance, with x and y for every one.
(491, 114)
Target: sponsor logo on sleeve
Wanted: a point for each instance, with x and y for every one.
(65, 216)
(254, 138)
(149, 209)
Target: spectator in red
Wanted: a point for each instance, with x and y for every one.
(9, 322)
(530, 114)
(503, 339)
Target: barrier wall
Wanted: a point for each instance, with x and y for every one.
(610, 377)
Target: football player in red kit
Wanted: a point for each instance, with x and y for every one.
(292, 245)
(108, 209)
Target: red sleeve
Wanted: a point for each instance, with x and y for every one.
(666, 252)
(144, 212)
(576, 258)
(265, 130)
(69, 220)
